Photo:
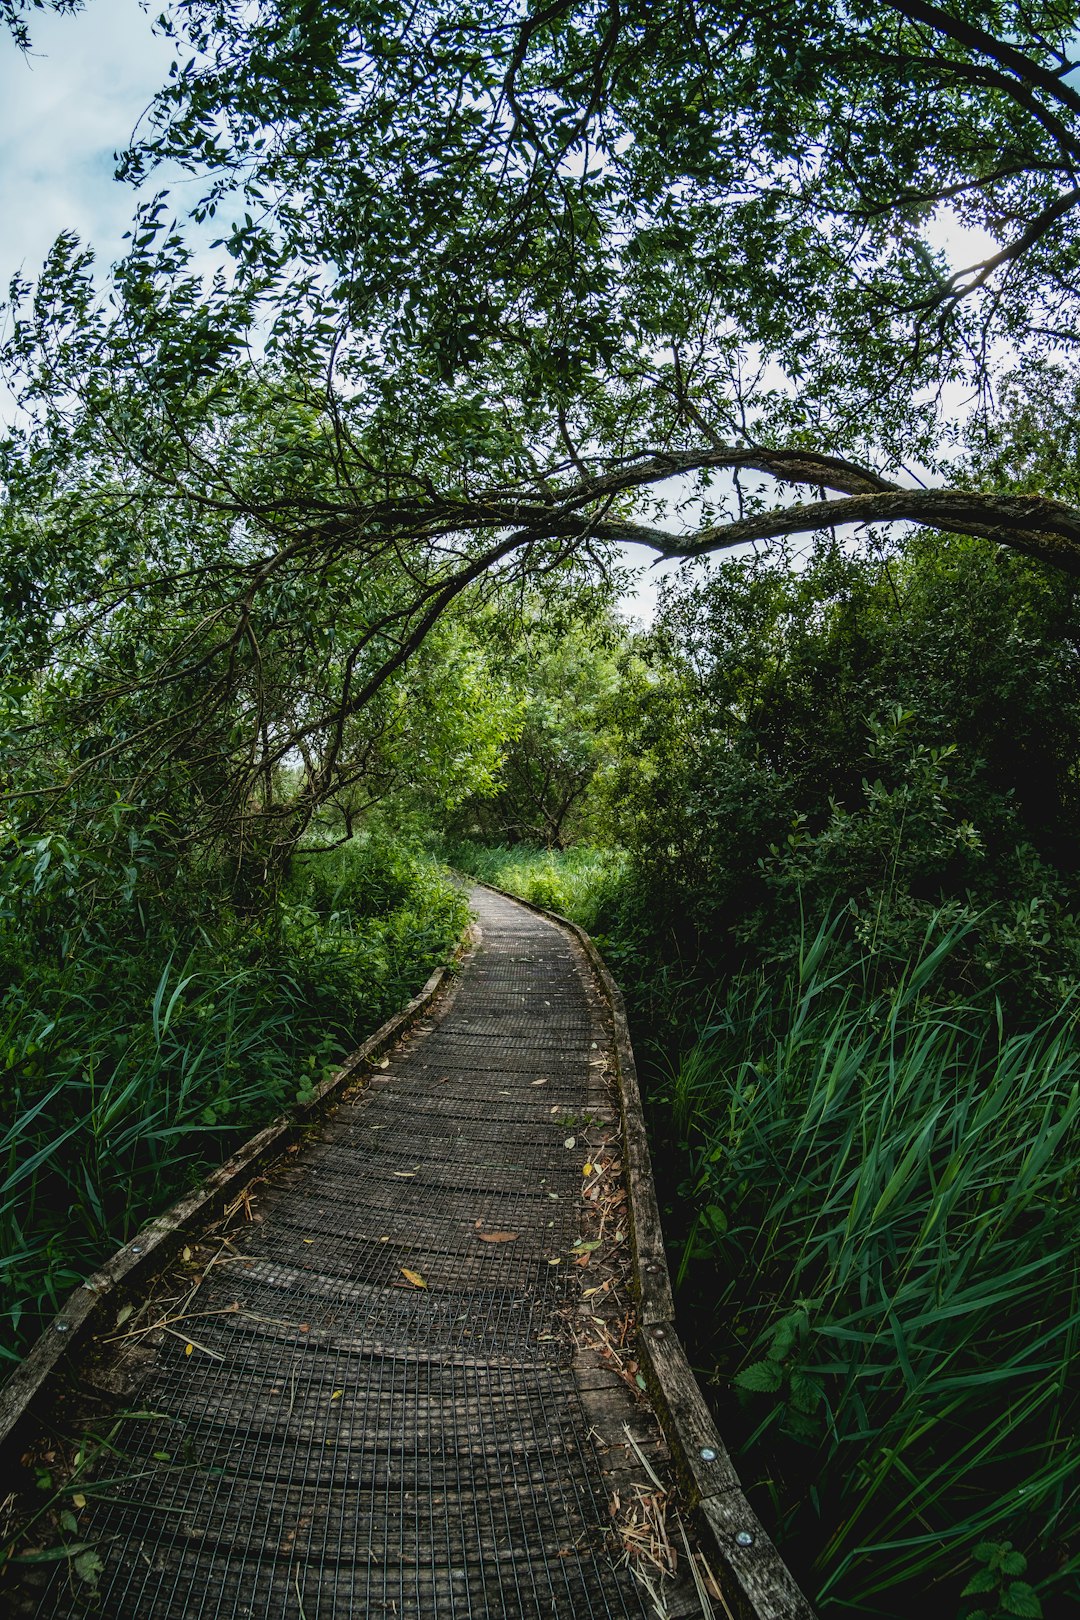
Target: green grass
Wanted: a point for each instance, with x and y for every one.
(885, 1238)
(577, 883)
(136, 1063)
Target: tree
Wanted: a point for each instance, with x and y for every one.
(882, 743)
(499, 280)
(565, 676)
(710, 233)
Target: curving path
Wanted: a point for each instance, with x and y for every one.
(391, 1412)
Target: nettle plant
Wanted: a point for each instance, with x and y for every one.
(997, 1584)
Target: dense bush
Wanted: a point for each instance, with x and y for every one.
(138, 1046)
(886, 739)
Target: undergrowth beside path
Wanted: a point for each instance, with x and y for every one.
(882, 1264)
(139, 1058)
(575, 882)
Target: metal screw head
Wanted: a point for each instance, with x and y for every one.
(708, 1454)
(658, 1333)
(652, 1266)
(62, 1327)
(136, 1248)
(744, 1538)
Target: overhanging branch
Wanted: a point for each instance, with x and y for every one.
(1034, 524)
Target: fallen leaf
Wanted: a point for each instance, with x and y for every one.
(587, 1246)
(303, 1328)
(414, 1277)
(78, 1500)
(123, 1313)
(405, 1175)
(309, 1240)
(338, 1393)
(188, 1348)
(571, 1141)
(588, 1170)
(383, 1063)
(88, 1567)
(554, 1262)
(497, 1237)
(538, 1082)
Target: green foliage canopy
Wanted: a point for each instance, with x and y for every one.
(496, 278)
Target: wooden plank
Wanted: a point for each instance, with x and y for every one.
(758, 1584)
(703, 1457)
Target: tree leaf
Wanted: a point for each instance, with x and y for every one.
(497, 1237)
(414, 1277)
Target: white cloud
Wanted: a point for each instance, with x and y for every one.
(65, 110)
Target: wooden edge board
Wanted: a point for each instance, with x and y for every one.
(82, 1313)
(759, 1584)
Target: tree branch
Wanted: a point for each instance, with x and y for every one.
(1044, 528)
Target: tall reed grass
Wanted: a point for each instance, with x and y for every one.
(886, 1220)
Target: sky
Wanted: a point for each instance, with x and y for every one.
(65, 109)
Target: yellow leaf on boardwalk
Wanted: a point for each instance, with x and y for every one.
(414, 1277)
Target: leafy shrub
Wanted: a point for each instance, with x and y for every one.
(137, 1059)
(579, 883)
(889, 736)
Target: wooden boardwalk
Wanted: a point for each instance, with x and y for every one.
(397, 1389)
